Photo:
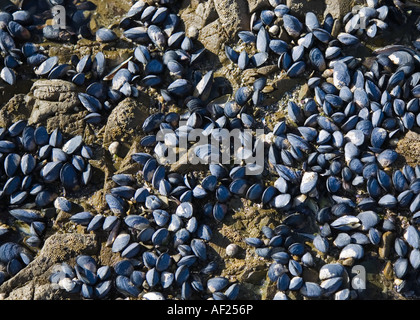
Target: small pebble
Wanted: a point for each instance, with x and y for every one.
(193, 32)
(113, 148)
(232, 250)
(274, 30)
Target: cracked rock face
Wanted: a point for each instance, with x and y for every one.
(51, 98)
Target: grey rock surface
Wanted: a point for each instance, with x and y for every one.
(125, 119)
(32, 281)
(50, 98)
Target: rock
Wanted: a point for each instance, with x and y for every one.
(409, 146)
(386, 244)
(283, 85)
(108, 11)
(29, 283)
(124, 121)
(35, 291)
(339, 8)
(348, 262)
(304, 92)
(257, 5)
(232, 250)
(71, 124)
(50, 98)
(197, 16)
(233, 15)
(388, 271)
(127, 165)
(213, 37)
(256, 276)
(114, 147)
(206, 11)
(25, 292)
(15, 109)
(53, 90)
(300, 7)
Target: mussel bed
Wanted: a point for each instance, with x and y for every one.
(83, 108)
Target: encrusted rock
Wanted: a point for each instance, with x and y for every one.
(256, 5)
(213, 37)
(50, 98)
(14, 110)
(233, 15)
(57, 248)
(409, 146)
(300, 7)
(196, 16)
(339, 8)
(125, 121)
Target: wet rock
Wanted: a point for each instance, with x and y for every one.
(268, 290)
(250, 291)
(388, 271)
(386, 244)
(109, 11)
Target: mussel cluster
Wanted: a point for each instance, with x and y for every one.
(96, 283)
(336, 188)
(36, 167)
